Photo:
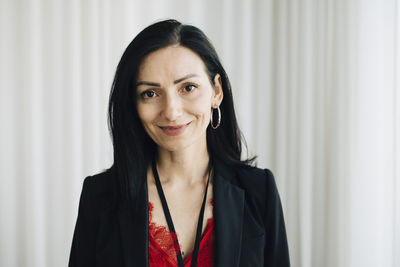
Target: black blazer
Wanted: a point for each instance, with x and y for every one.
(249, 224)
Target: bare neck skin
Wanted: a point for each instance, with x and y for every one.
(185, 167)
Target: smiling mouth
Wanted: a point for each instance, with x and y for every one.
(175, 129)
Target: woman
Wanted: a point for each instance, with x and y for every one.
(178, 193)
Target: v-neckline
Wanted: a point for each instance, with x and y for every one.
(153, 227)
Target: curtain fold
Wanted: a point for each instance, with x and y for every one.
(317, 95)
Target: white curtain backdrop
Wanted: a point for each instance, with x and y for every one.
(316, 87)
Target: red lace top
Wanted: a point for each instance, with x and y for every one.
(162, 252)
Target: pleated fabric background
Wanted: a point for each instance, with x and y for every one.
(316, 87)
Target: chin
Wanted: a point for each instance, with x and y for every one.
(174, 146)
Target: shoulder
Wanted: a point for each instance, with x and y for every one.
(100, 182)
(254, 173)
(258, 184)
(256, 181)
(99, 190)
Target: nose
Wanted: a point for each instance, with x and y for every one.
(172, 107)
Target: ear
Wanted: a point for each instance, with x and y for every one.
(218, 93)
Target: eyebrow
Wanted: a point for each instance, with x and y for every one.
(185, 77)
(175, 82)
(148, 83)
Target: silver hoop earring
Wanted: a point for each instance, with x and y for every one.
(219, 117)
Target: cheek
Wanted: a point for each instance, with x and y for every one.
(202, 110)
(145, 113)
(202, 103)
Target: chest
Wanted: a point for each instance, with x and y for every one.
(184, 207)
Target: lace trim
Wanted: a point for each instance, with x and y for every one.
(162, 240)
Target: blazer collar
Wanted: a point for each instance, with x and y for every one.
(228, 221)
(228, 215)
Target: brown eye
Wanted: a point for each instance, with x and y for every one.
(148, 94)
(189, 88)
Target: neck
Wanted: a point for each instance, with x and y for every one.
(184, 166)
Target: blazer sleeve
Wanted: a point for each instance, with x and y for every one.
(276, 246)
(83, 242)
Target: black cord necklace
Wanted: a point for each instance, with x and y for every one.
(171, 224)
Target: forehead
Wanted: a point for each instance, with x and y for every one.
(170, 62)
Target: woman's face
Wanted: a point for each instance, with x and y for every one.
(175, 96)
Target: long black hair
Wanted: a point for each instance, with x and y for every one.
(133, 148)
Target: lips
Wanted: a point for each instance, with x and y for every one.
(174, 130)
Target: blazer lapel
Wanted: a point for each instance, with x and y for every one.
(228, 213)
(134, 230)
